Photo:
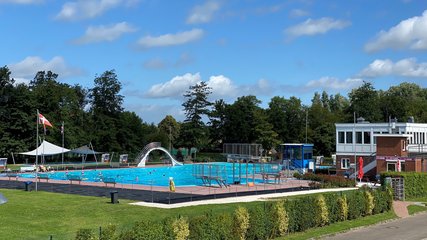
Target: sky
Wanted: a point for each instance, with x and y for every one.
(238, 47)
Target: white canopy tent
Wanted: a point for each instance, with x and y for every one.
(84, 151)
(46, 149)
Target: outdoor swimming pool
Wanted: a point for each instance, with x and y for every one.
(155, 176)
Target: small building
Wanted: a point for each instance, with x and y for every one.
(382, 145)
(298, 156)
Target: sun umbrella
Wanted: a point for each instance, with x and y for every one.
(360, 174)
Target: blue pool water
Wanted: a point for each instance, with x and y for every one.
(156, 176)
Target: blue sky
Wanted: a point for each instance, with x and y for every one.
(263, 48)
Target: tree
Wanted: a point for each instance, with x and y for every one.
(196, 106)
(105, 97)
(365, 102)
(171, 128)
(217, 118)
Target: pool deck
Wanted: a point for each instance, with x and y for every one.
(156, 194)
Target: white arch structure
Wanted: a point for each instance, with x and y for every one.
(144, 158)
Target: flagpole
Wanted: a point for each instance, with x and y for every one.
(37, 147)
(62, 131)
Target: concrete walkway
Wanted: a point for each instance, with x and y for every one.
(252, 198)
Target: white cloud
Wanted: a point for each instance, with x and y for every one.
(331, 83)
(21, 1)
(407, 67)
(315, 26)
(203, 13)
(410, 33)
(221, 87)
(175, 88)
(295, 13)
(170, 39)
(84, 9)
(105, 33)
(26, 69)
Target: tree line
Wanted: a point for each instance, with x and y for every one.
(96, 115)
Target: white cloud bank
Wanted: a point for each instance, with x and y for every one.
(203, 13)
(170, 39)
(104, 33)
(312, 27)
(410, 33)
(407, 67)
(221, 87)
(334, 84)
(26, 69)
(84, 9)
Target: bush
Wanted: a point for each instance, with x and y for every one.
(85, 234)
(147, 229)
(259, 225)
(342, 208)
(328, 181)
(241, 222)
(369, 203)
(322, 213)
(211, 227)
(180, 229)
(278, 219)
(356, 204)
(415, 183)
(108, 232)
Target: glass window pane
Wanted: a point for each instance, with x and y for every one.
(349, 137)
(359, 137)
(340, 137)
(367, 137)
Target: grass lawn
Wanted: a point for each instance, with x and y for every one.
(412, 209)
(37, 215)
(341, 226)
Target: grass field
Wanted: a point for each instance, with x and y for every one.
(39, 215)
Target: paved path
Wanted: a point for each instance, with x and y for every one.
(408, 228)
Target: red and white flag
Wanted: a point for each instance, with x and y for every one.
(44, 121)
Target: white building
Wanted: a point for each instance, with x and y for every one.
(358, 139)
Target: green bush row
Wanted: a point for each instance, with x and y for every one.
(326, 181)
(415, 182)
(274, 219)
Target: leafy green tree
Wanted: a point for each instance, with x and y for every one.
(365, 101)
(170, 127)
(217, 118)
(196, 106)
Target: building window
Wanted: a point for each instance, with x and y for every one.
(367, 137)
(391, 167)
(359, 137)
(345, 163)
(349, 137)
(340, 137)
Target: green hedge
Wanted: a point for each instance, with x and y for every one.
(275, 219)
(415, 183)
(326, 181)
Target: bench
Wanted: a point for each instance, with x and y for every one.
(28, 169)
(43, 176)
(75, 178)
(109, 180)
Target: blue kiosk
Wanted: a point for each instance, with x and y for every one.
(298, 156)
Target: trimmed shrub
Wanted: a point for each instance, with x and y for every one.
(209, 226)
(332, 205)
(328, 181)
(241, 222)
(85, 234)
(108, 232)
(342, 208)
(258, 223)
(356, 204)
(147, 229)
(180, 228)
(369, 203)
(278, 219)
(322, 213)
(415, 183)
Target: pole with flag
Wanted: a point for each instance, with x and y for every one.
(40, 120)
(37, 147)
(62, 133)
